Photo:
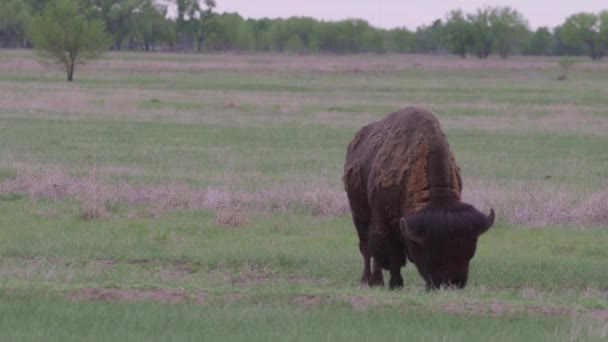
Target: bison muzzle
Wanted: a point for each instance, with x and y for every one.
(404, 191)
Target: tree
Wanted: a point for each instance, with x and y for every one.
(64, 34)
(565, 63)
(14, 19)
(200, 15)
(540, 43)
(194, 19)
(149, 25)
(36, 6)
(117, 16)
(481, 32)
(567, 47)
(457, 33)
(586, 28)
(509, 28)
(428, 38)
(230, 32)
(603, 31)
(401, 40)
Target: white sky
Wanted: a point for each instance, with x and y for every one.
(411, 14)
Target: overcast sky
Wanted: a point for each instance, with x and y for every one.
(411, 14)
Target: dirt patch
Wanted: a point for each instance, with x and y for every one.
(361, 303)
(550, 311)
(135, 295)
(598, 314)
(499, 309)
(233, 296)
(308, 300)
(251, 279)
(231, 217)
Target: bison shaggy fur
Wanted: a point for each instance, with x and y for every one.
(404, 191)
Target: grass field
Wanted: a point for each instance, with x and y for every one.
(186, 197)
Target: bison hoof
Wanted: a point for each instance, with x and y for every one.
(395, 283)
(376, 282)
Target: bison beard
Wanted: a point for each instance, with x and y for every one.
(404, 190)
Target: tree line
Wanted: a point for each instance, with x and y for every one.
(195, 25)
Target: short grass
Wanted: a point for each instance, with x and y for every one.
(284, 277)
(529, 146)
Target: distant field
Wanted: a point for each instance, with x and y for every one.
(194, 197)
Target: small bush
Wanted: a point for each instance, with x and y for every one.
(565, 63)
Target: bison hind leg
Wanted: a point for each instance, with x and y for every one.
(362, 228)
(366, 275)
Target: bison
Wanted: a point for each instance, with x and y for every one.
(404, 191)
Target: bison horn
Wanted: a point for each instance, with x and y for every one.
(491, 218)
(489, 222)
(407, 232)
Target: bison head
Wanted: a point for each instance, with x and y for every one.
(442, 243)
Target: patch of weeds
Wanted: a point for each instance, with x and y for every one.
(11, 196)
(561, 250)
(114, 207)
(7, 174)
(152, 103)
(161, 237)
(337, 109)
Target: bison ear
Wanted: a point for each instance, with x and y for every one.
(408, 233)
(489, 221)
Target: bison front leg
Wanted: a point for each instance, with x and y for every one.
(377, 279)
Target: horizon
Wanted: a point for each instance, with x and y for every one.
(389, 14)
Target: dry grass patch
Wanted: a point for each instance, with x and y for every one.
(526, 204)
(134, 295)
(92, 199)
(231, 216)
(539, 205)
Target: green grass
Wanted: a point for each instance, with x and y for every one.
(272, 262)
(28, 319)
(301, 246)
(263, 125)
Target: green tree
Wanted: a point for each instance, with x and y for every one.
(149, 25)
(295, 44)
(540, 43)
(586, 29)
(603, 31)
(261, 32)
(568, 48)
(481, 32)
(509, 28)
(194, 20)
(200, 15)
(373, 40)
(117, 16)
(429, 38)
(37, 6)
(15, 17)
(230, 32)
(64, 34)
(401, 40)
(457, 33)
